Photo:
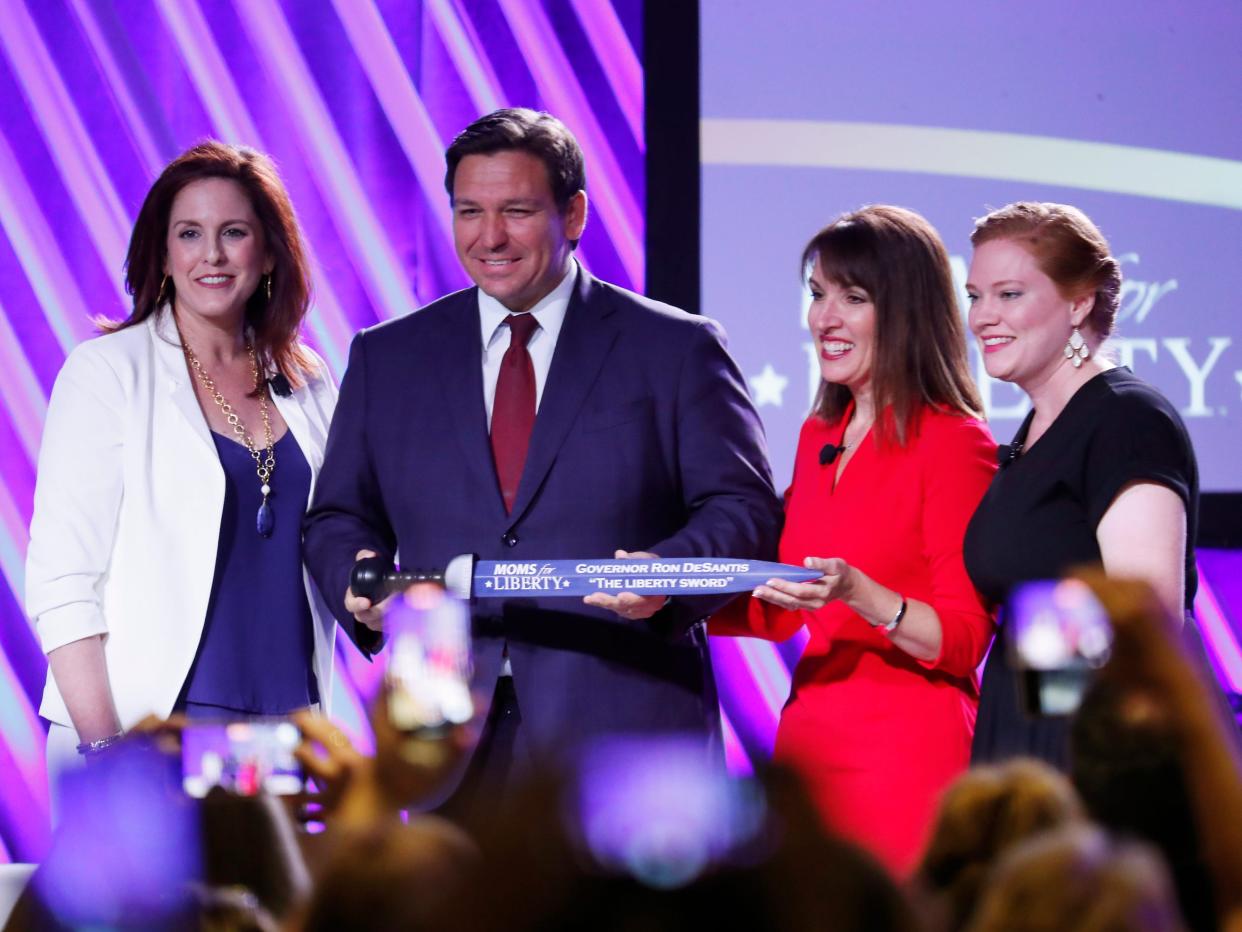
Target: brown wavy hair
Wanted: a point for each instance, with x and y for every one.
(1068, 248)
(897, 257)
(1079, 879)
(276, 323)
(987, 811)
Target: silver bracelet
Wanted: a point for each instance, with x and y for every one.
(901, 613)
(87, 748)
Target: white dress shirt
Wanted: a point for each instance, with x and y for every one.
(550, 312)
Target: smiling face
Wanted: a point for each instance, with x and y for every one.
(842, 322)
(1021, 320)
(511, 239)
(215, 251)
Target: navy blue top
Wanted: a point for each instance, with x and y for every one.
(255, 656)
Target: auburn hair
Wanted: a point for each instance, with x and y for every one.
(276, 323)
(1068, 248)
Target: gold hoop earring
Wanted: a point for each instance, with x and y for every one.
(268, 277)
(160, 298)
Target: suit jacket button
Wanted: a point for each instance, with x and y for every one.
(509, 539)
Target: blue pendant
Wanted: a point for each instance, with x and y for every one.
(266, 520)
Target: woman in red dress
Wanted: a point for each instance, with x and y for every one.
(889, 469)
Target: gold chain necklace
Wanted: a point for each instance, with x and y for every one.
(265, 464)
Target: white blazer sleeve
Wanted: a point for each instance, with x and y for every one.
(77, 499)
(326, 387)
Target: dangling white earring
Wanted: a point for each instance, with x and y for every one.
(1076, 349)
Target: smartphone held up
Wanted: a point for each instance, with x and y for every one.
(429, 663)
(242, 757)
(1059, 635)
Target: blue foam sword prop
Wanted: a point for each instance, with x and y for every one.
(375, 579)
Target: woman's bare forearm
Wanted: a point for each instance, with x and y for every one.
(81, 675)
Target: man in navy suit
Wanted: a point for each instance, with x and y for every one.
(610, 424)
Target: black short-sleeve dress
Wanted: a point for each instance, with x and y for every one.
(1039, 518)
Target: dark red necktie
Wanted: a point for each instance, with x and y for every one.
(513, 410)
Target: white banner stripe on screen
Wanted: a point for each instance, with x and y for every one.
(1071, 163)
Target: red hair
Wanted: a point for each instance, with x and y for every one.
(1068, 248)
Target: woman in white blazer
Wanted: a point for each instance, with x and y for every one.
(179, 454)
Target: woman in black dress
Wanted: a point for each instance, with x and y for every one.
(1101, 470)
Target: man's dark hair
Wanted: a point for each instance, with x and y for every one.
(523, 130)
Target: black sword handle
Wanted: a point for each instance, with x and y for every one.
(374, 578)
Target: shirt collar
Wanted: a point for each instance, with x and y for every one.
(550, 311)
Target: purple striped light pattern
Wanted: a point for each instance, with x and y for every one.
(356, 101)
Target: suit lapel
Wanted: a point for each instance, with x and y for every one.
(584, 342)
(461, 379)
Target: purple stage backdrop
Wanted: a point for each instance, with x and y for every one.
(1127, 110)
(356, 100)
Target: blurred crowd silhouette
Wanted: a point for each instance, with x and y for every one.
(1145, 833)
